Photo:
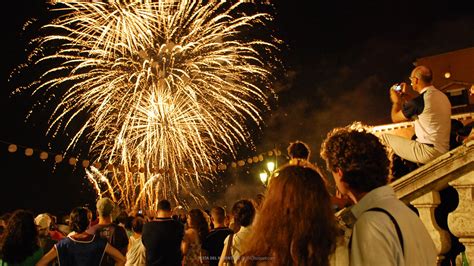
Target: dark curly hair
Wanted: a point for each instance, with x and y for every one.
(243, 212)
(360, 155)
(20, 238)
(299, 149)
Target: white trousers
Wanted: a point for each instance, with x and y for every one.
(410, 150)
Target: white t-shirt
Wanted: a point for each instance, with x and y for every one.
(432, 113)
(238, 241)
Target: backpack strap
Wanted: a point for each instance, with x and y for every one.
(397, 227)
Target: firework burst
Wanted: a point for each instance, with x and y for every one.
(166, 87)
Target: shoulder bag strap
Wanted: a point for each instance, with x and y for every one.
(397, 227)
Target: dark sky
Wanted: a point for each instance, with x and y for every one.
(340, 58)
(344, 55)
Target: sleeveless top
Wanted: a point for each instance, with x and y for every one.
(136, 253)
(77, 252)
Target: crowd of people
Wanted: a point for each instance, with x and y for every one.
(293, 223)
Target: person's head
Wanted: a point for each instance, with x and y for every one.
(122, 218)
(299, 150)
(105, 207)
(243, 212)
(197, 220)
(43, 223)
(129, 220)
(179, 213)
(164, 205)
(20, 238)
(218, 216)
(420, 77)
(137, 224)
(298, 201)
(164, 208)
(358, 160)
(79, 219)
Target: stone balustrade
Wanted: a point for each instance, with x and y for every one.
(421, 188)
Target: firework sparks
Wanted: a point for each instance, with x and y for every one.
(165, 87)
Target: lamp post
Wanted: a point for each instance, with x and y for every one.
(267, 173)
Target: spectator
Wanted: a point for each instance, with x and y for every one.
(136, 250)
(386, 231)
(115, 235)
(194, 236)
(128, 224)
(468, 134)
(162, 238)
(243, 213)
(63, 226)
(43, 223)
(298, 150)
(465, 134)
(214, 243)
(89, 217)
(122, 220)
(179, 214)
(19, 243)
(56, 235)
(431, 111)
(81, 248)
(296, 225)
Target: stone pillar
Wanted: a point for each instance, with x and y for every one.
(426, 206)
(461, 220)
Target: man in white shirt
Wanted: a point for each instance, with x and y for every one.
(386, 231)
(431, 111)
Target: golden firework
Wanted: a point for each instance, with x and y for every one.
(166, 87)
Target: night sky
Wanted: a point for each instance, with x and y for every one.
(339, 58)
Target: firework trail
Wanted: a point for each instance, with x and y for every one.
(166, 88)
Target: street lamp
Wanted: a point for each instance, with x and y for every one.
(263, 177)
(271, 166)
(267, 173)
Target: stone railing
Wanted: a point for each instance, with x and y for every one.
(421, 189)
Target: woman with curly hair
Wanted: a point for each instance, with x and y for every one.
(19, 243)
(80, 247)
(198, 229)
(296, 224)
